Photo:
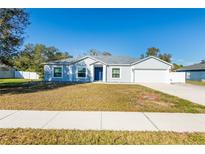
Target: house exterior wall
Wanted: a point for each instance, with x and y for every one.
(48, 73)
(89, 70)
(151, 70)
(7, 74)
(151, 64)
(154, 67)
(125, 74)
(195, 75)
(70, 71)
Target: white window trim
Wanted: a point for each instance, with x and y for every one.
(116, 68)
(61, 72)
(85, 72)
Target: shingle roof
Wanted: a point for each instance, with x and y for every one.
(116, 59)
(106, 59)
(199, 66)
(63, 61)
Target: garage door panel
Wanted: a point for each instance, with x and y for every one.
(151, 76)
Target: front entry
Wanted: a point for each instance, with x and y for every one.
(98, 73)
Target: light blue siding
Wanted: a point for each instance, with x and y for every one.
(48, 70)
(125, 74)
(69, 72)
(195, 75)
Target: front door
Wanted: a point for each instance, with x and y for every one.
(98, 73)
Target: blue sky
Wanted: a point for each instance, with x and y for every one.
(180, 32)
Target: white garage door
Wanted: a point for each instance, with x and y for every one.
(151, 76)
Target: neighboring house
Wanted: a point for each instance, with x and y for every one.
(195, 71)
(109, 69)
(6, 71)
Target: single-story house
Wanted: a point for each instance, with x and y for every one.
(195, 71)
(6, 71)
(109, 69)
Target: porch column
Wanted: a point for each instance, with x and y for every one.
(104, 73)
(92, 73)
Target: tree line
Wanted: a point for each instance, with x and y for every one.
(13, 23)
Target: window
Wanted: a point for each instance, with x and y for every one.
(81, 72)
(188, 75)
(57, 72)
(115, 73)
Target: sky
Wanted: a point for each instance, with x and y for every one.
(123, 32)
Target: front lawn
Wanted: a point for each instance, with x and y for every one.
(199, 83)
(92, 97)
(41, 136)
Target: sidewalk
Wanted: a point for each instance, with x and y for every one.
(131, 121)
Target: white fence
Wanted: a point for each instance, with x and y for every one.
(177, 77)
(26, 75)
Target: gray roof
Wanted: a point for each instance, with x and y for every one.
(199, 66)
(64, 61)
(125, 60)
(116, 59)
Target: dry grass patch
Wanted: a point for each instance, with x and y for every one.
(40, 136)
(199, 83)
(92, 97)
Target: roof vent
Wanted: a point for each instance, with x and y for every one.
(203, 62)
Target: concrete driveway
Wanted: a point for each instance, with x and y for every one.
(193, 93)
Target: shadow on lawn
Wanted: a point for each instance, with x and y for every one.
(31, 87)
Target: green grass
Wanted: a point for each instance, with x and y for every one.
(199, 83)
(15, 82)
(41, 136)
(92, 97)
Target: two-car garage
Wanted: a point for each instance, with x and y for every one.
(150, 76)
(151, 70)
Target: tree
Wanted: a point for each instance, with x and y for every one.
(156, 52)
(12, 25)
(53, 53)
(152, 52)
(166, 57)
(32, 57)
(142, 56)
(106, 53)
(176, 66)
(95, 52)
(24, 61)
